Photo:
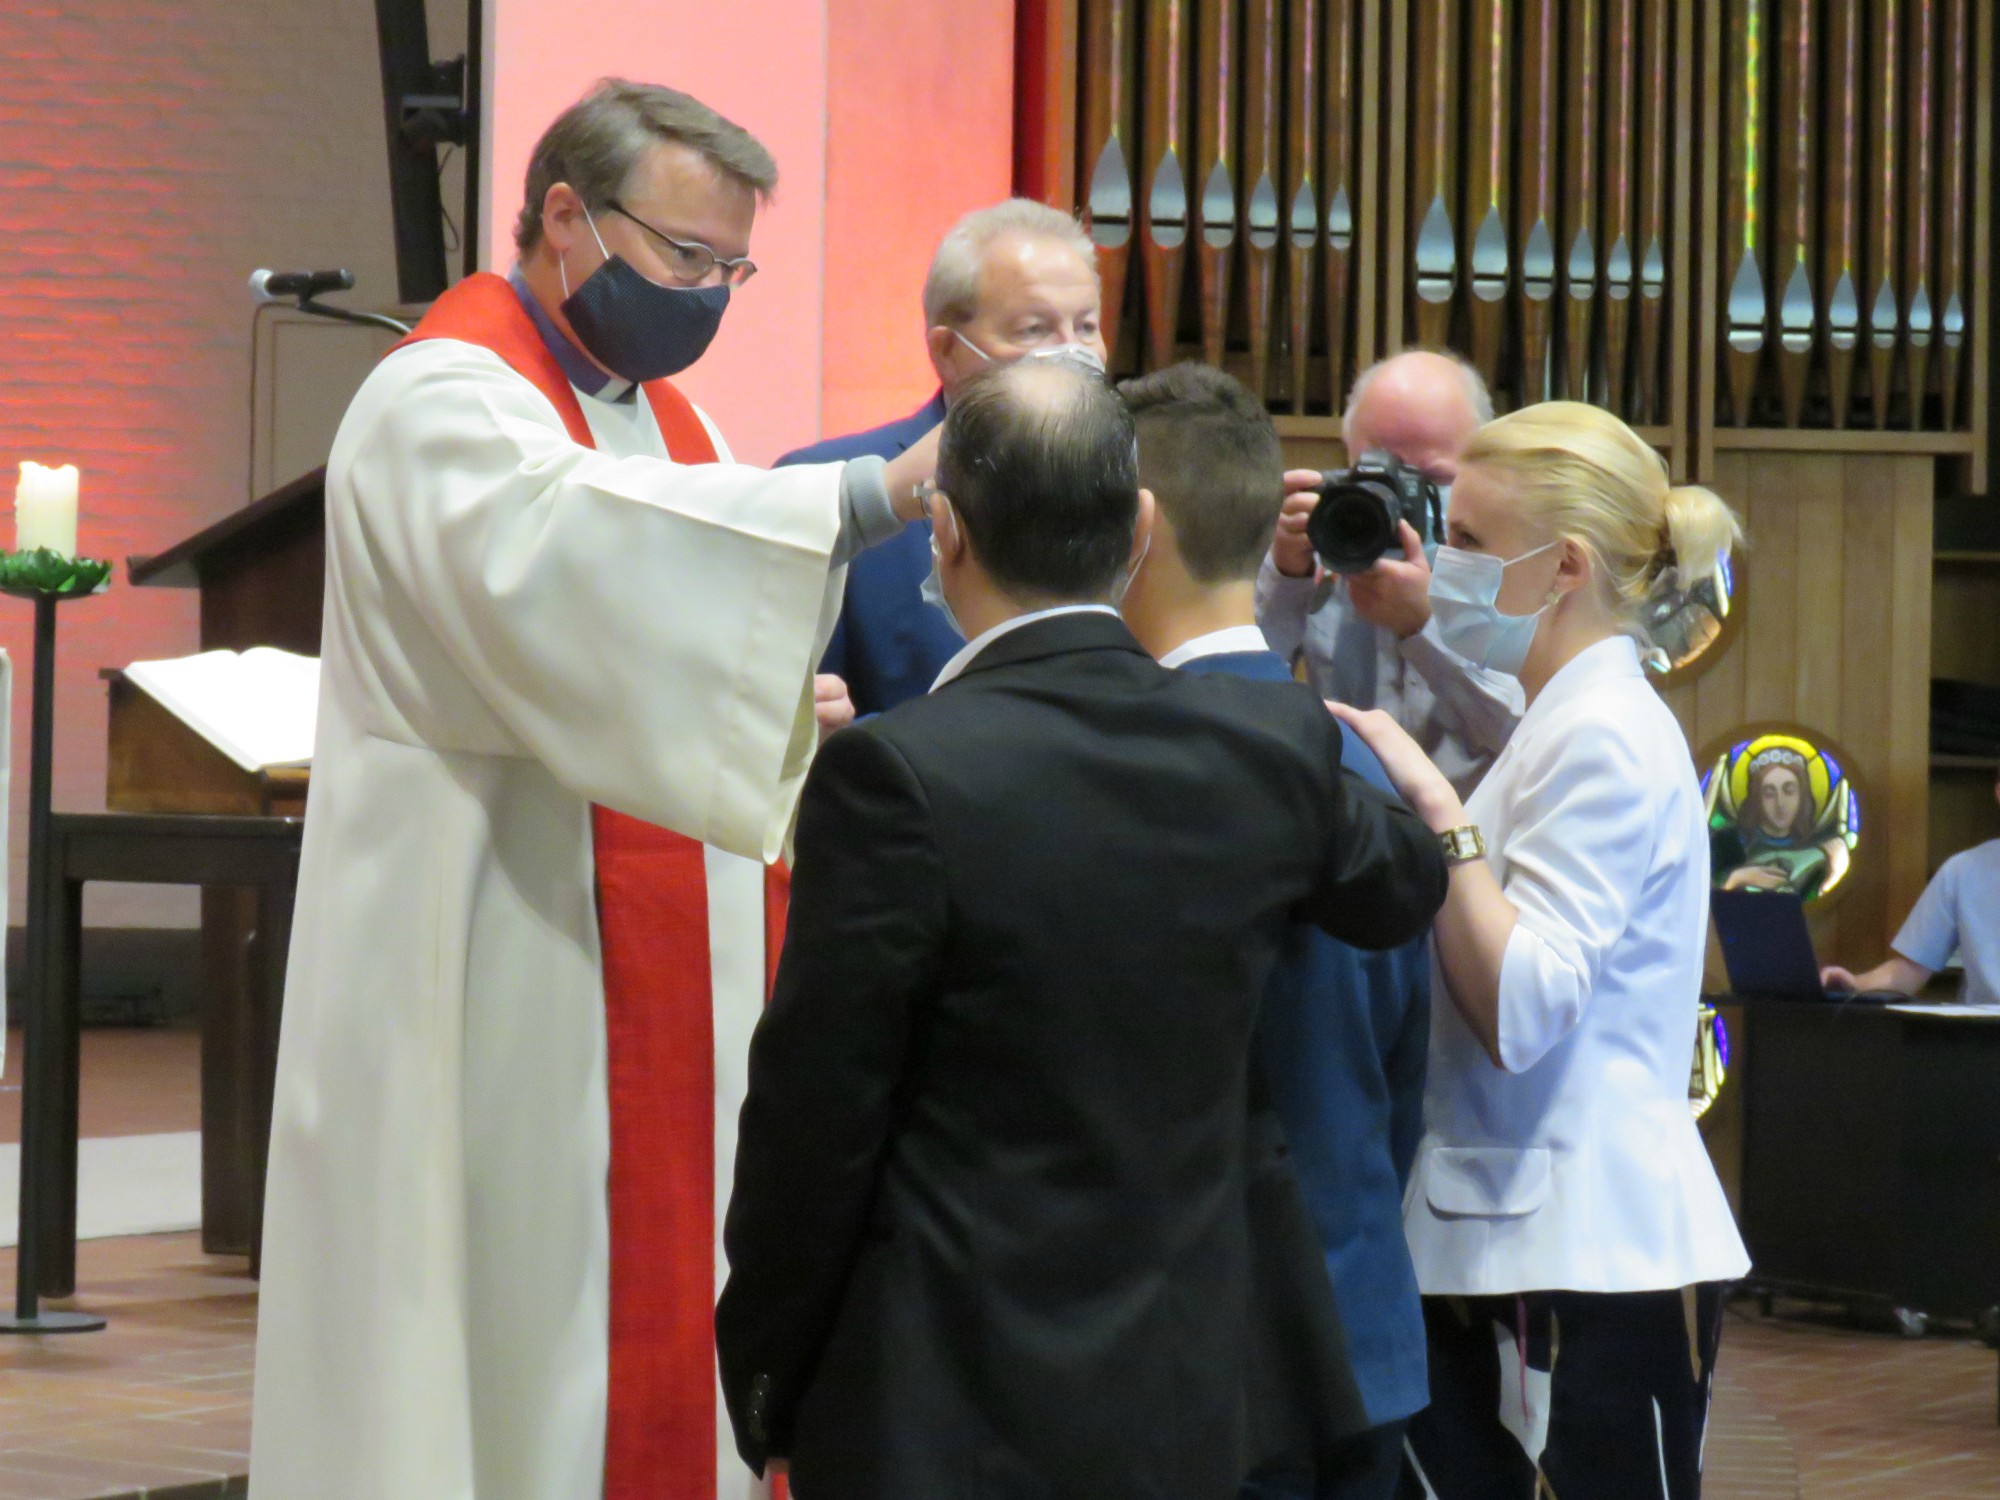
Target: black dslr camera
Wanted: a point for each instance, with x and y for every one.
(1354, 524)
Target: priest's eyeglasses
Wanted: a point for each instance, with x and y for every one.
(690, 260)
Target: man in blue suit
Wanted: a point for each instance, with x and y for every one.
(1007, 282)
(1344, 1034)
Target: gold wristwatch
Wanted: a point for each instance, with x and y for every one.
(1462, 845)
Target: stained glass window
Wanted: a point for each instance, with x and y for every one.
(1782, 816)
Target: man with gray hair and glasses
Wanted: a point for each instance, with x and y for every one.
(1014, 280)
(1368, 639)
(566, 711)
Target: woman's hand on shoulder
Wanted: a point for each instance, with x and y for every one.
(1420, 783)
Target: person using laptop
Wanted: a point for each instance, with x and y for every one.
(1959, 911)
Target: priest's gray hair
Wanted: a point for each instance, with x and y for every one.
(597, 142)
(1478, 400)
(951, 290)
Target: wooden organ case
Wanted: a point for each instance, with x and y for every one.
(1757, 230)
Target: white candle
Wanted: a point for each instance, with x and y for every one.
(45, 509)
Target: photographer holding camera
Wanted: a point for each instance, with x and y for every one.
(1364, 625)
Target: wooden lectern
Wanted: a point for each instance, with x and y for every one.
(261, 575)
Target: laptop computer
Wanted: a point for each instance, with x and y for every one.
(1768, 951)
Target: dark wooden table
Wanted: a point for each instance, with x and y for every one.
(1871, 1154)
(257, 853)
(1871, 1158)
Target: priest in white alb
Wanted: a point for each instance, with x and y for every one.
(567, 702)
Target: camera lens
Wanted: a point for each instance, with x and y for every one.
(1353, 524)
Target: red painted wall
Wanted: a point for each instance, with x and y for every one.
(920, 111)
(889, 118)
(152, 152)
(762, 63)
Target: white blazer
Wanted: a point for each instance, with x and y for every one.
(1578, 1166)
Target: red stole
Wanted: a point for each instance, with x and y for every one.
(652, 911)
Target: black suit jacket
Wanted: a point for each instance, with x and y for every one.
(989, 1232)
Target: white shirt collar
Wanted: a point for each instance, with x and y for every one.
(1608, 660)
(986, 638)
(1231, 641)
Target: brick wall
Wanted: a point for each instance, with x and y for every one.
(152, 153)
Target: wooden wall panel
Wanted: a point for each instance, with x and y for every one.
(1836, 637)
(1771, 582)
(1908, 763)
(1859, 723)
(1826, 553)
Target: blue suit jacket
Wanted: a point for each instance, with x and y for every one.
(1344, 1037)
(889, 645)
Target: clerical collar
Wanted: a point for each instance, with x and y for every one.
(579, 371)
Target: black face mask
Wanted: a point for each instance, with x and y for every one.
(638, 329)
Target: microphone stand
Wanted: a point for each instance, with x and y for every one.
(319, 309)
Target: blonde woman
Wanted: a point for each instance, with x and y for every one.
(1568, 1231)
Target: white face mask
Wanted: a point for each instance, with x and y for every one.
(1076, 354)
(1464, 595)
(932, 588)
(1125, 584)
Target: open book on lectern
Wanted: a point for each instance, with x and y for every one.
(258, 707)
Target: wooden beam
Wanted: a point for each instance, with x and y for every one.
(1797, 53)
(1392, 191)
(1747, 309)
(1658, 82)
(1578, 262)
(1045, 54)
(1301, 194)
(1106, 163)
(1163, 204)
(1954, 207)
(1704, 64)
(1852, 440)
(1337, 177)
(1263, 78)
(1535, 223)
(1840, 211)
(1881, 298)
(1434, 261)
(1919, 205)
(1621, 62)
(1486, 253)
(1980, 392)
(1217, 170)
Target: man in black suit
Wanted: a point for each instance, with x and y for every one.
(990, 1233)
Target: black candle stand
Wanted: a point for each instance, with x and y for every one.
(40, 1126)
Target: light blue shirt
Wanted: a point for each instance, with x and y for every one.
(1960, 910)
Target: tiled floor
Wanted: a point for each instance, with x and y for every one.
(159, 1404)
(1808, 1407)
(156, 1405)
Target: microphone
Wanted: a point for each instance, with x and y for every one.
(270, 286)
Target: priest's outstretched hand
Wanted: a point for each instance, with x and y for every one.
(908, 471)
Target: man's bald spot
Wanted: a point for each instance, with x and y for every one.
(1043, 389)
(1418, 406)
